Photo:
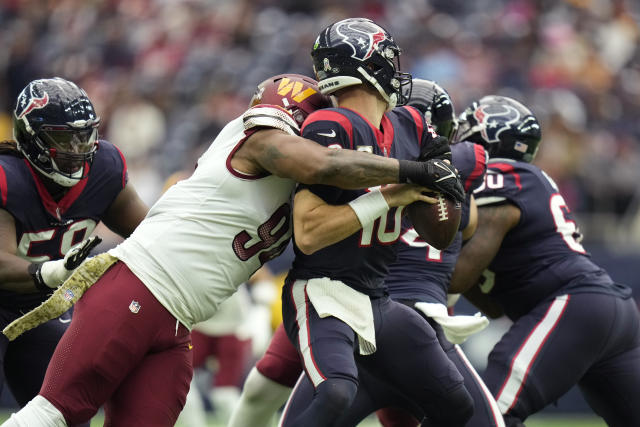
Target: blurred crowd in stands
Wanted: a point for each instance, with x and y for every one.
(166, 75)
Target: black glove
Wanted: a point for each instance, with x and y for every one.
(51, 274)
(435, 174)
(80, 252)
(437, 148)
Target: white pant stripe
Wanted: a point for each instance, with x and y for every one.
(298, 291)
(285, 411)
(521, 363)
(493, 405)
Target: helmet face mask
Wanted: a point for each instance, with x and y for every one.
(504, 126)
(295, 93)
(357, 51)
(55, 127)
(435, 103)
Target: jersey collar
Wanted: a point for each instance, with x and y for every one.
(384, 137)
(56, 209)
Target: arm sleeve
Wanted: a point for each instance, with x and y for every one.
(471, 161)
(503, 184)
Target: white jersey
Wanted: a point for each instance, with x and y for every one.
(209, 233)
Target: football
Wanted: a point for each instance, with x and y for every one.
(437, 224)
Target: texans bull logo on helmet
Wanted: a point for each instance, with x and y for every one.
(29, 101)
(496, 119)
(366, 34)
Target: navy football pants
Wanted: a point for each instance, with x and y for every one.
(408, 358)
(588, 339)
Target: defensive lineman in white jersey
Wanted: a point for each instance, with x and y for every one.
(202, 239)
(207, 225)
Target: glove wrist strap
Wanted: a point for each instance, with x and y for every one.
(34, 270)
(410, 171)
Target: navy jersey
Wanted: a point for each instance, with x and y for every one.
(361, 259)
(541, 257)
(46, 229)
(422, 272)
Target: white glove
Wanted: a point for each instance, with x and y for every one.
(51, 274)
(456, 328)
(452, 299)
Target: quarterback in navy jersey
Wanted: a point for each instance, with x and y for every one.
(572, 323)
(56, 183)
(334, 298)
(420, 277)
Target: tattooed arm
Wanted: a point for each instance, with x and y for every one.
(493, 224)
(305, 161)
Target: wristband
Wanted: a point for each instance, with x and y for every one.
(369, 207)
(34, 271)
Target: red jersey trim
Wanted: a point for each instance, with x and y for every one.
(57, 209)
(479, 168)
(384, 137)
(331, 116)
(124, 169)
(387, 135)
(3, 186)
(418, 119)
(230, 168)
(507, 168)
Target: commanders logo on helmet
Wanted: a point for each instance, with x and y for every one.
(504, 126)
(357, 51)
(295, 93)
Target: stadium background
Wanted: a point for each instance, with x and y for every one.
(166, 75)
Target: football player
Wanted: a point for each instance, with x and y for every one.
(204, 237)
(336, 309)
(57, 181)
(572, 324)
(420, 274)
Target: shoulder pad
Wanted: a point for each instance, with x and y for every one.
(270, 116)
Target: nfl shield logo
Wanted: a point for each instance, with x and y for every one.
(134, 307)
(68, 295)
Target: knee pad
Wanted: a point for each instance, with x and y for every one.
(452, 410)
(512, 421)
(336, 394)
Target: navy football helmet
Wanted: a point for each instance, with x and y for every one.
(296, 93)
(56, 129)
(435, 103)
(505, 128)
(357, 51)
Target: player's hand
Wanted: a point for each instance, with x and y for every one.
(437, 148)
(443, 177)
(80, 252)
(53, 273)
(405, 194)
(437, 174)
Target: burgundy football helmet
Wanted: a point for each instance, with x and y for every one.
(295, 93)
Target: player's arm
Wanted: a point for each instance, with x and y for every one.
(305, 161)
(126, 212)
(14, 274)
(21, 276)
(494, 222)
(317, 224)
(471, 227)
